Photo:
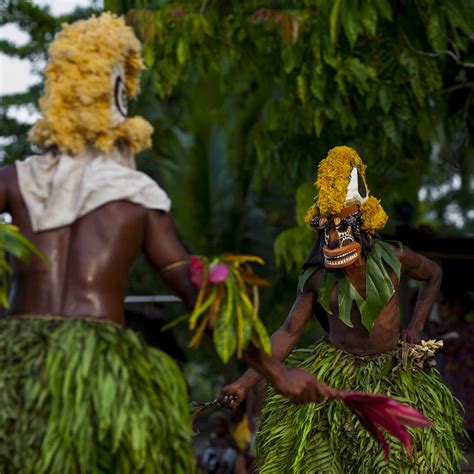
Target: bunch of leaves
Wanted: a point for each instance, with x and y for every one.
(17, 245)
(229, 306)
(328, 436)
(89, 397)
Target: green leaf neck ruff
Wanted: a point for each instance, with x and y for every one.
(379, 286)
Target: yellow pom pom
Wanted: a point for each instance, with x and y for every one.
(374, 217)
(311, 213)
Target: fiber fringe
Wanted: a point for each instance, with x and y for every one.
(83, 397)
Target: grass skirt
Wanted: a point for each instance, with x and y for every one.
(85, 397)
(327, 437)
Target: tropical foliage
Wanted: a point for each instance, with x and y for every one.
(322, 73)
(14, 243)
(93, 398)
(223, 304)
(247, 97)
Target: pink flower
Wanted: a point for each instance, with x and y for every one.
(196, 269)
(218, 273)
(374, 410)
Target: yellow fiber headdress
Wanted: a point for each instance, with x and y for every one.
(341, 182)
(78, 105)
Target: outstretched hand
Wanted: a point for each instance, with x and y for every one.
(300, 386)
(231, 396)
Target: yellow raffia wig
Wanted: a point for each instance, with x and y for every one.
(79, 90)
(334, 174)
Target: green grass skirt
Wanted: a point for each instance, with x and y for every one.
(85, 397)
(328, 438)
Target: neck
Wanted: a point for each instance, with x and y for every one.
(356, 273)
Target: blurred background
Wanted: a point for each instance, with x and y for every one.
(246, 97)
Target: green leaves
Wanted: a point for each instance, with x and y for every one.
(292, 245)
(225, 307)
(14, 243)
(332, 440)
(333, 20)
(378, 287)
(224, 334)
(124, 412)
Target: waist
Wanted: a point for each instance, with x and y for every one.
(60, 317)
(364, 346)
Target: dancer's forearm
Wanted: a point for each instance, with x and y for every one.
(282, 344)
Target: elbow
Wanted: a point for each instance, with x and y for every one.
(436, 275)
(289, 332)
(439, 272)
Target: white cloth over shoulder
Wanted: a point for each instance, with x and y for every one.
(58, 188)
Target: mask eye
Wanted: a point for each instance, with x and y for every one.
(343, 226)
(120, 96)
(326, 234)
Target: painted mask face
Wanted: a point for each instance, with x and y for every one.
(119, 103)
(340, 231)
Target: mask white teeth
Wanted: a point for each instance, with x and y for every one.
(334, 261)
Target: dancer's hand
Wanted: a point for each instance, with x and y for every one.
(411, 336)
(300, 386)
(231, 396)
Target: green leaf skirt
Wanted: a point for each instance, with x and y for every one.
(328, 438)
(88, 397)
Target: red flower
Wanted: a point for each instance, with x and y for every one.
(196, 269)
(218, 273)
(375, 410)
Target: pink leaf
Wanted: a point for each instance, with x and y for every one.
(375, 409)
(218, 273)
(373, 430)
(196, 269)
(407, 415)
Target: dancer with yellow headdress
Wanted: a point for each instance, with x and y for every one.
(350, 282)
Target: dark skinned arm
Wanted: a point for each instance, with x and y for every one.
(163, 248)
(4, 173)
(422, 269)
(284, 340)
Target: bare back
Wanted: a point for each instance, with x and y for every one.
(88, 261)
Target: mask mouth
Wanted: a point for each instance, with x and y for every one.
(342, 256)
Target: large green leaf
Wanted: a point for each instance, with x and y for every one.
(263, 337)
(225, 336)
(345, 298)
(383, 250)
(328, 282)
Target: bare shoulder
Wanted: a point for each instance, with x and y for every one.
(415, 264)
(314, 281)
(159, 219)
(405, 254)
